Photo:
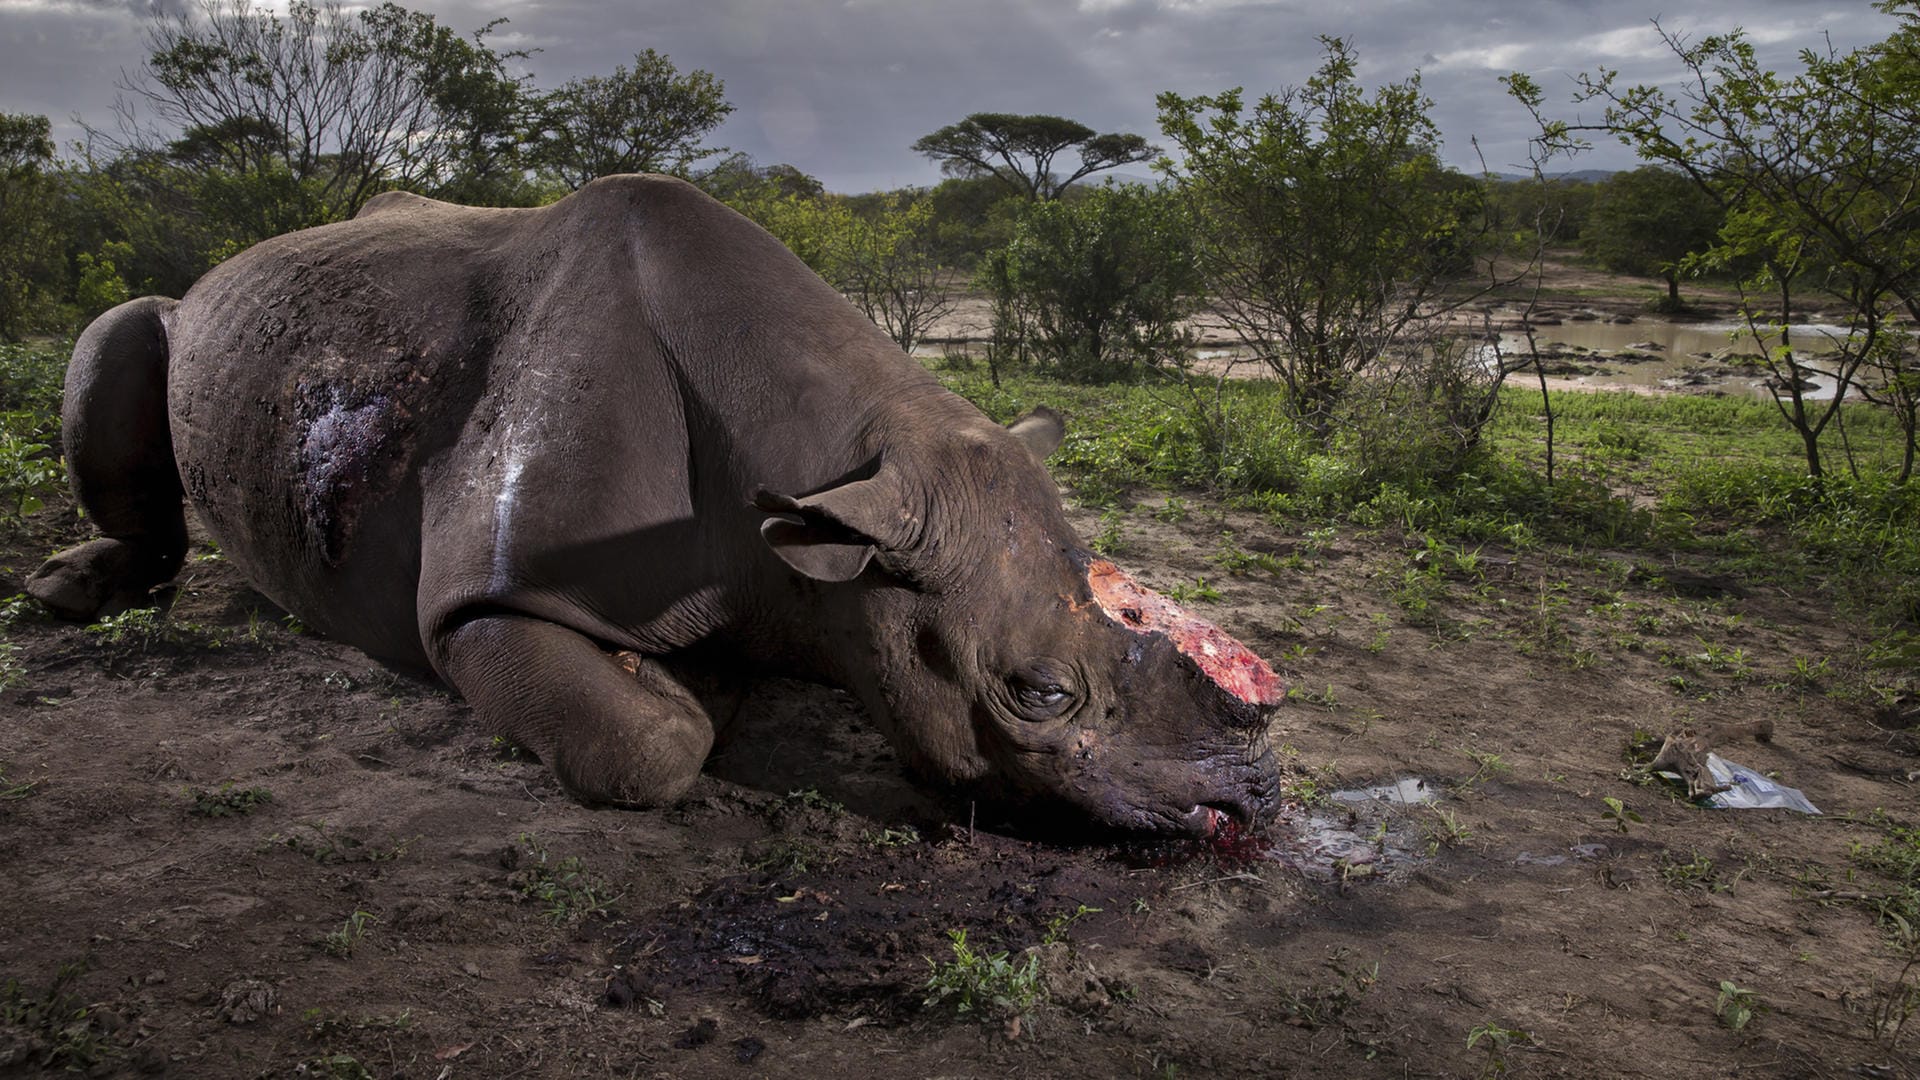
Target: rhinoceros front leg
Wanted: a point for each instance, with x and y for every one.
(628, 735)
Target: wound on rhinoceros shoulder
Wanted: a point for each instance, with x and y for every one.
(1231, 665)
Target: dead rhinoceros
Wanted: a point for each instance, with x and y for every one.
(508, 444)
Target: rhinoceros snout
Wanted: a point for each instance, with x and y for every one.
(1250, 795)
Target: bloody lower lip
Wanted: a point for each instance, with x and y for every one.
(1215, 821)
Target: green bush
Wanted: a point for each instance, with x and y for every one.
(1103, 282)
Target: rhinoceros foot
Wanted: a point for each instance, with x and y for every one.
(96, 579)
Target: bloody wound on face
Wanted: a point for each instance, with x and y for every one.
(1231, 665)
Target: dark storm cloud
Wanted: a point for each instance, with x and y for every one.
(841, 88)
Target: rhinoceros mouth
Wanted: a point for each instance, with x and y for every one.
(1203, 821)
(1207, 820)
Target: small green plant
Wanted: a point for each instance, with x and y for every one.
(325, 845)
(1642, 747)
(1198, 592)
(341, 942)
(29, 470)
(1110, 540)
(11, 791)
(226, 801)
(21, 608)
(1057, 926)
(892, 836)
(140, 625)
(1486, 766)
(812, 799)
(12, 672)
(1895, 855)
(1736, 1007)
(1443, 829)
(1304, 790)
(1497, 1041)
(56, 1026)
(1892, 1004)
(1544, 631)
(787, 855)
(1697, 873)
(1382, 632)
(1809, 673)
(1619, 814)
(321, 1025)
(1323, 698)
(1315, 1005)
(1235, 560)
(1732, 661)
(986, 985)
(567, 888)
(1417, 591)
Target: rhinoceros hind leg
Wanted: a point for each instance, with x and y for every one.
(119, 449)
(622, 735)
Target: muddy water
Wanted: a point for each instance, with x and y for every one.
(1363, 834)
(1683, 349)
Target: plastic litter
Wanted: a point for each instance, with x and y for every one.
(1748, 790)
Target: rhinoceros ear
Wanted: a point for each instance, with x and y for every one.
(832, 534)
(1042, 429)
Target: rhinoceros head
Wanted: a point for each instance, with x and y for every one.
(1008, 663)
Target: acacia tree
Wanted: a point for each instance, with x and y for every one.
(1330, 224)
(312, 113)
(1816, 173)
(1019, 150)
(648, 119)
(1647, 221)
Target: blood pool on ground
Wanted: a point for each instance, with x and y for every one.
(1231, 665)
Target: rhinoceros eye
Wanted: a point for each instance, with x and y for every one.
(1040, 693)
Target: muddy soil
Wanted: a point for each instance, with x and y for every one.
(237, 850)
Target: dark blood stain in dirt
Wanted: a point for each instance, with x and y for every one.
(858, 933)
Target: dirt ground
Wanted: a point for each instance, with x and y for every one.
(235, 850)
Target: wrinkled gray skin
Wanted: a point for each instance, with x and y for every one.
(504, 444)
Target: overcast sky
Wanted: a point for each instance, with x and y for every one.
(842, 88)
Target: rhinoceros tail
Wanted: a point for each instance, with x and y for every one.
(119, 450)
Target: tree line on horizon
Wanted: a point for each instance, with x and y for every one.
(1317, 221)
